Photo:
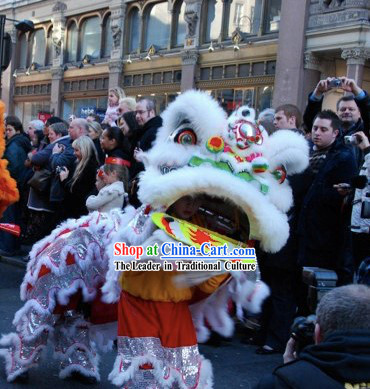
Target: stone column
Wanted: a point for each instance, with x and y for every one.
(190, 54)
(189, 67)
(57, 76)
(289, 64)
(312, 72)
(8, 81)
(115, 73)
(57, 72)
(356, 58)
(118, 12)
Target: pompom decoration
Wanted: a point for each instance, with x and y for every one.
(260, 165)
(215, 144)
(8, 187)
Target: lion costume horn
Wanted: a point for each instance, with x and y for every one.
(8, 187)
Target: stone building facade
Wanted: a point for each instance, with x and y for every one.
(261, 52)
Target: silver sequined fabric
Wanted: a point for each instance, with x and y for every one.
(185, 361)
(140, 219)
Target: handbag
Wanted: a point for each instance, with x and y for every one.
(41, 180)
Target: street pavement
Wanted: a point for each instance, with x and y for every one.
(235, 365)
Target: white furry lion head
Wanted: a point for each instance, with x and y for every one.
(233, 162)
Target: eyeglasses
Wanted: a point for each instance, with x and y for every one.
(141, 112)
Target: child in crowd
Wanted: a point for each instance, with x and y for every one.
(111, 114)
(114, 176)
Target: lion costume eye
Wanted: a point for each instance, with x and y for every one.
(186, 136)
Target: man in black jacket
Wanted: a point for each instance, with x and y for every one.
(322, 229)
(340, 357)
(353, 110)
(144, 138)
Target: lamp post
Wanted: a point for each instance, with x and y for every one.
(6, 42)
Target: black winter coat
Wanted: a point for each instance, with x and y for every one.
(343, 357)
(77, 194)
(16, 150)
(321, 227)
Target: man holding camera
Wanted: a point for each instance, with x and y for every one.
(353, 110)
(340, 356)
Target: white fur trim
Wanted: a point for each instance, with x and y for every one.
(268, 224)
(119, 378)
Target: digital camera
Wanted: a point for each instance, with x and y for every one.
(351, 140)
(59, 169)
(303, 330)
(335, 83)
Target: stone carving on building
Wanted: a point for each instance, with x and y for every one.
(57, 38)
(59, 7)
(116, 35)
(336, 12)
(356, 55)
(190, 57)
(331, 3)
(311, 61)
(191, 18)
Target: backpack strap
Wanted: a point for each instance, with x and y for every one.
(304, 375)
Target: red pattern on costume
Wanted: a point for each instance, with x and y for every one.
(200, 237)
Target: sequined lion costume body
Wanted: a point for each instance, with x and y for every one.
(238, 174)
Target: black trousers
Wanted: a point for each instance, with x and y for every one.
(280, 308)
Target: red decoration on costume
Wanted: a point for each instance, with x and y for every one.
(117, 161)
(13, 229)
(200, 237)
(166, 225)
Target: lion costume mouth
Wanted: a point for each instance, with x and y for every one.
(220, 216)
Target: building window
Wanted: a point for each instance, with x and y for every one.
(158, 26)
(213, 14)
(273, 15)
(38, 45)
(108, 39)
(22, 50)
(134, 30)
(180, 25)
(90, 37)
(72, 40)
(49, 48)
(246, 16)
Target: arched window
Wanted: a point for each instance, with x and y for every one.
(273, 15)
(213, 12)
(108, 39)
(38, 46)
(22, 50)
(180, 23)
(72, 40)
(90, 37)
(158, 26)
(49, 48)
(134, 30)
(245, 15)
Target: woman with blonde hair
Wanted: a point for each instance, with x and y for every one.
(82, 183)
(127, 104)
(114, 96)
(94, 132)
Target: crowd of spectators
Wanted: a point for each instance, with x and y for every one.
(55, 165)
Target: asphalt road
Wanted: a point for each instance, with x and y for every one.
(235, 365)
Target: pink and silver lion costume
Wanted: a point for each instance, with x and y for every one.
(239, 172)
